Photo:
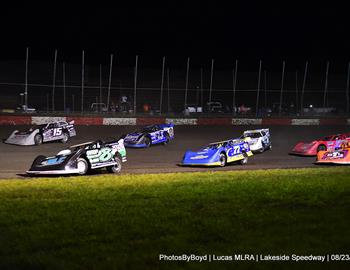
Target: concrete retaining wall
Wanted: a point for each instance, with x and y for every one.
(79, 120)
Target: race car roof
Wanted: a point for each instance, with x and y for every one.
(82, 144)
(256, 130)
(225, 141)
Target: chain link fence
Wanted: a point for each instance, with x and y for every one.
(165, 91)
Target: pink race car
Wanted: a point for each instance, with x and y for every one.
(327, 143)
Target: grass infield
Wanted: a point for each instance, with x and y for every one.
(127, 221)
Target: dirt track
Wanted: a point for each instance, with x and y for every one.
(15, 160)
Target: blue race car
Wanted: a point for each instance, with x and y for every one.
(149, 135)
(219, 154)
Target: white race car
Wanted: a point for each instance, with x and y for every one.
(38, 134)
(259, 139)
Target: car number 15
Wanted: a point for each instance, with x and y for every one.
(57, 131)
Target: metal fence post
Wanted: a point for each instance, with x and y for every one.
(265, 89)
(161, 87)
(168, 85)
(54, 82)
(64, 87)
(258, 91)
(211, 79)
(109, 82)
(234, 86)
(186, 86)
(325, 87)
(347, 89)
(282, 85)
(100, 97)
(303, 90)
(82, 83)
(202, 89)
(135, 83)
(26, 80)
(296, 91)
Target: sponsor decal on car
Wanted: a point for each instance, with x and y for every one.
(99, 155)
(53, 161)
(335, 155)
(198, 157)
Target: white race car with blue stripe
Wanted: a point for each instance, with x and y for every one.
(259, 139)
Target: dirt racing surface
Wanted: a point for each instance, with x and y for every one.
(15, 160)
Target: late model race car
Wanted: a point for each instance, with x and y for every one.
(81, 158)
(259, 140)
(150, 135)
(339, 156)
(327, 143)
(219, 154)
(38, 134)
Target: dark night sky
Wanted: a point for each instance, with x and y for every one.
(292, 32)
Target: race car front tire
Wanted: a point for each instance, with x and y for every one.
(115, 168)
(65, 137)
(167, 139)
(38, 139)
(222, 159)
(262, 149)
(82, 166)
(147, 142)
(321, 148)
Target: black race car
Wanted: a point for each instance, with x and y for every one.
(81, 158)
(38, 134)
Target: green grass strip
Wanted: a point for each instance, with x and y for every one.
(126, 221)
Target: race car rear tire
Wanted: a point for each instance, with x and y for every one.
(65, 137)
(262, 149)
(222, 159)
(321, 148)
(245, 159)
(38, 139)
(115, 168)
(82, 166)
(147, 142)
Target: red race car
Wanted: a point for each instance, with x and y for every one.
(327, 143)
(340, 156)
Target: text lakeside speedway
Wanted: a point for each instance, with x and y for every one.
(293, 257)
